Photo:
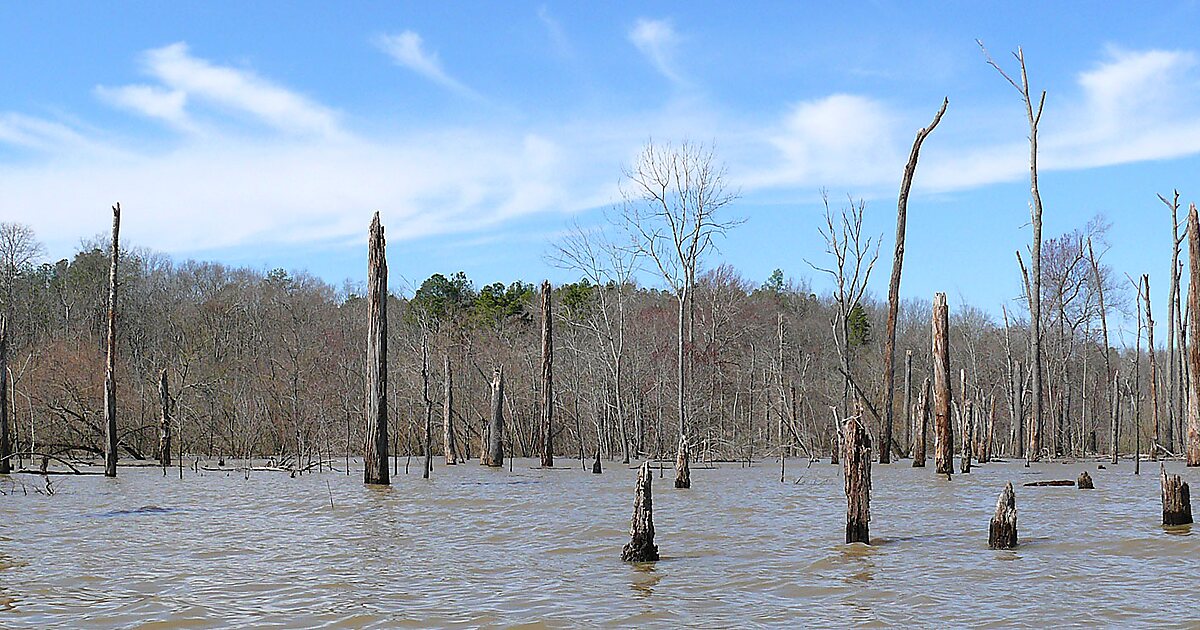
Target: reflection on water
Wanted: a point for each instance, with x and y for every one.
(473, 547)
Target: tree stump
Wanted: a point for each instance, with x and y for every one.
(641, 547)
(547, 378)
(943, 429)
(375, 455)
(856, 468)
(493, 448)
(1085, 481)
(1003, 531)
(922, 426)
(164, 423)
(596, 469)
(683, 474)
(1176, 500)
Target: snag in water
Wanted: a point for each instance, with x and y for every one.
(641, 547)
(857, 470)
(1003, 531)
(110, 379)
(1176, 499)
(1085, 481)
(493, 447)
(596, 469)
(375, 464)
(683, 473)
(943, 453)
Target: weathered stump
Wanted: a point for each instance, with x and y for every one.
(110, 378)
(449, 448)
(641, 547)
(5, 451)
(968, 427)
(375, 455)
(596, 469)
(922, 425)
(1003, 531)
(164, 422)
(1176, 499)
(547, 378)
(493, 448)
(856, 468)
(683, 473)
(1085, 481)
(943, 453)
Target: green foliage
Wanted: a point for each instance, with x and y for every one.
(442, 300)
(858, 327)
(497, 303)
(577, 296)
(776, 283)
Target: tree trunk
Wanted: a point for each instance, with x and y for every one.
(375, 455)
(548, 380)
(164, 423)
(683, 473)
(923, 426)
(856, 467)
(968, 427)
(1153, 372)
(428, 446)
(110, 376)
(641, 547)
(908, 416)
(943, 429)
(493, 454)
(596, 468)
(1176, 499)
(1003, 531)
(448, 445)
(889, 352)
(1116, 416)
(5, 441)
(1193, 435)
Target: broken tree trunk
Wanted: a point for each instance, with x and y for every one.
(493, 452)
(110, 378)
(375, 455)
(449, 447)
(596, 468)
(943, 455)
(641, 547)
(428, 446)
(683, 473)
(1003, 531)
(889, 353)
(1193, 409)
(164, 422)
(1176, 499)
(922, 425)
(968, 427)
(856, 467)
(1085, 481)
(1116, 415)
(1153, 372)
(5, 450)
(908, 415)
(547, 379)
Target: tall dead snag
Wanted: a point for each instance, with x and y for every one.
(1172, 306)
(856, 467)
(1193, 313)
(908, 415)
(375, 455)
(641, 547)
(547, 379)
(923, 426)
(5, 449)
(1153, 371)
(110, 378)
(683, 472)
(1176, 499)
(1034, 283)
(943, 451)
(428, 449)
(968, 427)
(889, 352)
(493, 448)
(1003, 531)
(1108, 370)
(1116, 415)
(449, 447)
(164, 422)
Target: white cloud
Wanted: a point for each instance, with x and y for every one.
(149, 100)
(407, 49)
(657, 40)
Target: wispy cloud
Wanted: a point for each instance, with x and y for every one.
(558, 37)
(169, 106)
(407, 49)
(657, 40)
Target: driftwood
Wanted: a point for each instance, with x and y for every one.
(943, 428)
(683, 471)
(1085, 481)
(375, 456)
(856, 468)
(110, 379)
(547, 378)
(1003, 531)
(1050, 484)
(641, 547)
(1176, 499)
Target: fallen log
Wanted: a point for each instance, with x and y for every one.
(1051, 484)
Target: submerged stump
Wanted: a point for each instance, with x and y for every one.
(1003, 531)
(1176, 499)
(1085, 481)
(596, 469)
(683, 473)
(857, 471)
(641, 547)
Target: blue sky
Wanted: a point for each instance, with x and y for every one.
(266, 134)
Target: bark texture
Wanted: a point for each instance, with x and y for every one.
(596, 468)
(1003, 531)
(449, 447)
(683, 472)
(1193, 350)
(856, 467)
(375, 455)
(943, 456)
(493, 449)
(1176, 499)
(641, 547)
(110, 378)
(547, 378)
(164, 422)
(1085, 481)
(922, 425)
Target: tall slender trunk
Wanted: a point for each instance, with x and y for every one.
(493, 454)
(908, 418)
(449, 447)
(164, 423)
(548, 381)
(923, 426)
(5, 446)
(110, 377)
(1153, 372)
(375, 455)
(944, 430)
(1193, 435)
(1108, 370)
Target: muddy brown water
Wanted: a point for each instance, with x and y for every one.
(478, 547)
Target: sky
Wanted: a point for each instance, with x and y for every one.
(265, 134)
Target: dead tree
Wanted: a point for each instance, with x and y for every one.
(1003, 531)
(856, 467)
(596, 468)
(968, 428)
(1176, 499)
(110, 373)
(164, 423)
(923, 426)
(1193, 409)
(943, 453)
(1085, 481)
(428, 445)
(1153, 371)
(448, 445)
(5, 448)
(889, 352)
(641, 547)
(547, 379)
(908, 415)
(1116, 417)
(1173, 371)
(375, 455)
(1108, 370)
(493, 446)
(683, 471)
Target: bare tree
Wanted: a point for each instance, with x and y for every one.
(376, 453)
(110, 379)
(19, 249)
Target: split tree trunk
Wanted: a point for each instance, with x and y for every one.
(943, 456)
(889, 352)
(5, 448)
(375, 455)
(548, 379)
(856, 467)
(683, 473)
(1176, 499)
(641, 547)
(493, 452)
(923, 426)
(1003, 531)
(164, 423)
(1193, 408)
(448, 445)
(968, 427)
(110, 377)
